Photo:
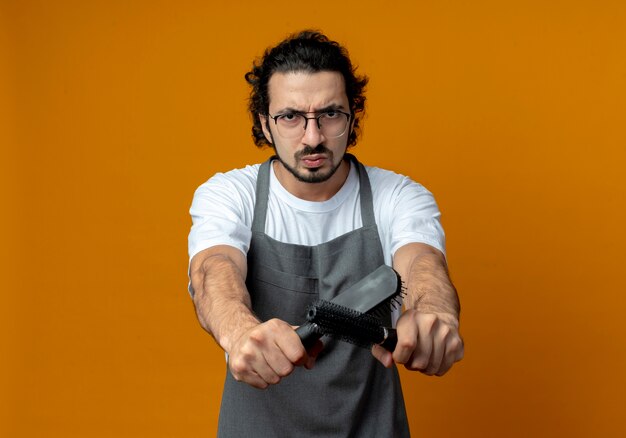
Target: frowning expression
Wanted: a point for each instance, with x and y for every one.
(310, 157)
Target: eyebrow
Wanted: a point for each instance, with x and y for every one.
(331, 107)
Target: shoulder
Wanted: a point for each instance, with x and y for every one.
(243, 178)
(222, 210)
(406, 211)
(387, 185)
(229, 186)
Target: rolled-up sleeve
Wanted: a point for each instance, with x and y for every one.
(416, 217)
(219, 217)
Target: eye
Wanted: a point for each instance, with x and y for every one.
(289, 118)
(331, 114)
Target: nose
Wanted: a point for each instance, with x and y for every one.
(312, 134)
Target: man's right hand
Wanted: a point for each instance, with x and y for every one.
(259, 354)
(267, 352)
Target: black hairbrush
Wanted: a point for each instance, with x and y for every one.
(350, 326)
(376, 294)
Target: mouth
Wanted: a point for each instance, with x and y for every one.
(313, 161)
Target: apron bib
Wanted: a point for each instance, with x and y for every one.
(348, 393)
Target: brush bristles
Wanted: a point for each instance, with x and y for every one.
(383, 310)
(346, 324)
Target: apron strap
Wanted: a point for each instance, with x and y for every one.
(262, 195)
(365, 192)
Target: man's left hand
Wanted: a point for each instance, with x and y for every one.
(427, 342)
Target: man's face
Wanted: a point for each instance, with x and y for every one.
(310, 157)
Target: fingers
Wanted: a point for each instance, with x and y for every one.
(312, 354)
(267, 353)
(453, 353)
(427, 343)
(242, 371)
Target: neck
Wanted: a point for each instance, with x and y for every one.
(316, 192)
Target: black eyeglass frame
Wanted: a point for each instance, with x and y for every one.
(316, 118)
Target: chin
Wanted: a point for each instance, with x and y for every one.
(314, 176)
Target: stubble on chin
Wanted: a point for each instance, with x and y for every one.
(315, 175)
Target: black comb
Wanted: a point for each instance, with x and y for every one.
(378, 292)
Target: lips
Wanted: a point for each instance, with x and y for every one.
(313, 160)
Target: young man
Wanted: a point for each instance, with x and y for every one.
(269, 239)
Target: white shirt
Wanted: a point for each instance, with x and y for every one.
(223, 208)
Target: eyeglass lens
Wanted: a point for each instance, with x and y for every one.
(331, 124)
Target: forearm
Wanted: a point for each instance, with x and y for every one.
(428, 285)
(260, 354)
(428, 330)
(221, 299)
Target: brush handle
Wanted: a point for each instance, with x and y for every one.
(309, 334)
(391, 341)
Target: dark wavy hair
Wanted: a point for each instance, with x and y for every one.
(307, 51)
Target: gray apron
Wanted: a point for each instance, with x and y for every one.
(348, 393)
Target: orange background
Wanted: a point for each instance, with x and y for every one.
(113, 112)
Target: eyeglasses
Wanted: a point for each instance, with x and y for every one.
(332, 124)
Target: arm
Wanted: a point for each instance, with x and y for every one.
(428, 330)
(259, 354)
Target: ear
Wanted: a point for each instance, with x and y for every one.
(266, 129)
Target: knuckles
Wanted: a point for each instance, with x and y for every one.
(262, 333)
(275, 323)
(238, 367)
(455, 344)
(285, 371)
(407, 344)
(444, 331)
(257, 336)
(427, 322)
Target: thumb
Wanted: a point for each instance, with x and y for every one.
(383, 356)
(312, 354)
